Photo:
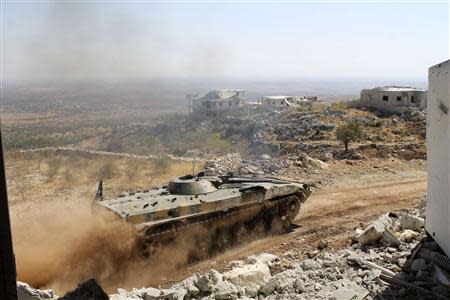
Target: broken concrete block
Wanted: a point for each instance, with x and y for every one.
(408, 221)
(372, 233)
(342, 294)
(357, 233)
(206, 282)
(225, 290)
(250, 276)
(389, 238)
(26, 292)
(269, 286)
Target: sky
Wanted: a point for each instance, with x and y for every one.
(145, 40)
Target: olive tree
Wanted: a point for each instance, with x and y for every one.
(348, 132)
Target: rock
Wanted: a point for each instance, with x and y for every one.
(326, 157)
(389, 238)
(265, 258)
(408, 221)
(265, 157)
(372, 233)
(357, 233)
(268, 287)
(342, 294)
(418, 264)
(206, 283)
(250, 277)
(155, 294)
(88, 290)
(190, 287)
(322, 244)
(26, 292)
(225, 290)
(310, 264)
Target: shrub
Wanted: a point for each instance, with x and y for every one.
(339, 106)
(348, 132)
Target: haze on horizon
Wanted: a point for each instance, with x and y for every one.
(51, 41)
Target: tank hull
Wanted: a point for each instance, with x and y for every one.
(237, 209)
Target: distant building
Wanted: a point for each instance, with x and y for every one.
(217, 101)
(394, 99)
(286, 101)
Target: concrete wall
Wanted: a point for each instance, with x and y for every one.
(219, 105)
(438, 153)
(374, 99)
(274, 102)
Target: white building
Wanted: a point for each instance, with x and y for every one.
(438, 155)
(217, 101)
(394, 99)
(286, 101)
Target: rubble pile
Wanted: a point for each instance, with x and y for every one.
(382, 253)
(224, 164)
(384, 262)
(265, 164)
(301, 126)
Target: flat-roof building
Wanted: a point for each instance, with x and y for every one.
(394, 99)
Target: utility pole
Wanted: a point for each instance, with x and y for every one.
(8, 284)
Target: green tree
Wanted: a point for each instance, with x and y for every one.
(349, 132)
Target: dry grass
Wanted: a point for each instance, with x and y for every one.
(45, 177)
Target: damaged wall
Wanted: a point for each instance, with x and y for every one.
(438, 152)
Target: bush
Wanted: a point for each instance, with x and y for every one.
(339, 106)
(349, 132)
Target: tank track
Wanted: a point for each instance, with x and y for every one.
(202, 238)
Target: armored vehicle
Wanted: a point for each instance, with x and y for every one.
(209, 212)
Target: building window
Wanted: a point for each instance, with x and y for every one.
(385, 98)
(399, 98)
(273, 102)
(229, 103)
(412, 99)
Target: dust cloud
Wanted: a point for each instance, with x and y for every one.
(62, 244)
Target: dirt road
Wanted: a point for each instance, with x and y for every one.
(328, 214)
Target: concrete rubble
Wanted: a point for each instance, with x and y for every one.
(26, 292)
(263, 164)
(371, 268)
